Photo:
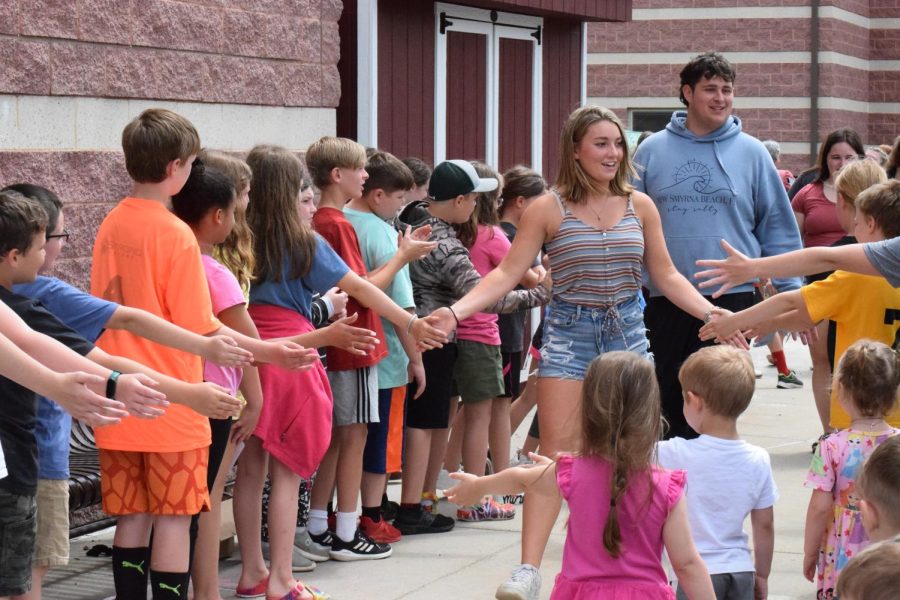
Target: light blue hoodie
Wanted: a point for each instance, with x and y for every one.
(723, 185)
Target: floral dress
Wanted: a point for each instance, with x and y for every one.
(835, 465)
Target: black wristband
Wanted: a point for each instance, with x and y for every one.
(111, 385)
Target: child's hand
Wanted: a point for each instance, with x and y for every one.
(538, 460)
(338, 301)
(427, 333)
(355, 340)
(734, 270)
(421, 233)
(465, 493)
(245, 425)
(213, 401)
(809, 566)
(443, 319)
(292, 357)
(760, 588)
(416, 372)
(411, 248)
(82, 403)
(224, 351)
(136, 392)
(722, 325)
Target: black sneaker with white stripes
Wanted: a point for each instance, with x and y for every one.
(361, 547)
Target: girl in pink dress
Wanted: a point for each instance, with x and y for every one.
(623, 509)
(867, 378)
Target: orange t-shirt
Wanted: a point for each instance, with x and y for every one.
(146, 257)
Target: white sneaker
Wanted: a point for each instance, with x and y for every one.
(524, 583)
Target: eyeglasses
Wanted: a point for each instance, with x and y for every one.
(64, 235)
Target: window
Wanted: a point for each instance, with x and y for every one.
(650, 120)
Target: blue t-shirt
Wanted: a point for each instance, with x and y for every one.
(88, 316)
(296, 294)
(378, 244)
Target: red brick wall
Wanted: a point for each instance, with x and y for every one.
(715, 3)
(731, 35)
(884, 8)
(761, 80)
(271, 52)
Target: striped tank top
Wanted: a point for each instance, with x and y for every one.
(595, 267)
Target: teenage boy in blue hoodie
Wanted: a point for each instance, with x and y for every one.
(710, 181)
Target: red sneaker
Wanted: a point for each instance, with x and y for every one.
(381, 532)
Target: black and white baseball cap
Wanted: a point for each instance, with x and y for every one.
(452, 178)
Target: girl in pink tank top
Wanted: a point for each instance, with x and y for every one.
(623, 509)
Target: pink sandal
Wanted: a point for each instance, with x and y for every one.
(257, 591)
(298, 593)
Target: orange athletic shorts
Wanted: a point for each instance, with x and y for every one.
(158, 483)
(395, 430)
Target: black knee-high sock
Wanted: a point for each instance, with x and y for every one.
(131, 567)
(169, 586)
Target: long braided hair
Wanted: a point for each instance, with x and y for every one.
(621, 422)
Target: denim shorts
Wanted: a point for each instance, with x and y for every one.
(17, 534)
(574, 335)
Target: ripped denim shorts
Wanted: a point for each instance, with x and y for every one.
(574, 335)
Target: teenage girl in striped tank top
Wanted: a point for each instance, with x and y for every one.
(600, 234)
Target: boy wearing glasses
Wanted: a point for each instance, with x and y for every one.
(89, 316)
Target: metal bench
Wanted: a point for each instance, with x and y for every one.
(85, 511)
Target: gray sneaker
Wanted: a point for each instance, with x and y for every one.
(299, 563)
(317, 550)
(789, 381)
(524, 583)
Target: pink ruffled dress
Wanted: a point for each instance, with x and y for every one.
(588, 570)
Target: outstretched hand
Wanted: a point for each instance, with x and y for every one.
(726, 273)
(291, 356)
(83, 404)
(355, 340)
(467, 490)
(724, 329)
(223, 350)
(429, 333)
(213, 401)
(136, 392)
(443, 319)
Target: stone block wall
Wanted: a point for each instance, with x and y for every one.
(74, 72)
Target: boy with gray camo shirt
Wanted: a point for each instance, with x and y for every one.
(440, 279)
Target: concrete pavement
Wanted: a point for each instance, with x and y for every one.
(472, 560)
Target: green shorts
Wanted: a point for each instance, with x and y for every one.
(478, 372)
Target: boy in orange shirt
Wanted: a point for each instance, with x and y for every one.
(154, 473)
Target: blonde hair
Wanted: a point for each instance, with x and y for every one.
(621, 422)
(872, 574)
(879, 481)
(236, 252)
(572, 182)
(882, 203)
(283, 244)
(333, 152)
(723, 376)
(856, 177)
(868, 374)
(155, 138)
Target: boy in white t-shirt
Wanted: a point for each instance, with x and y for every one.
(728, 478)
